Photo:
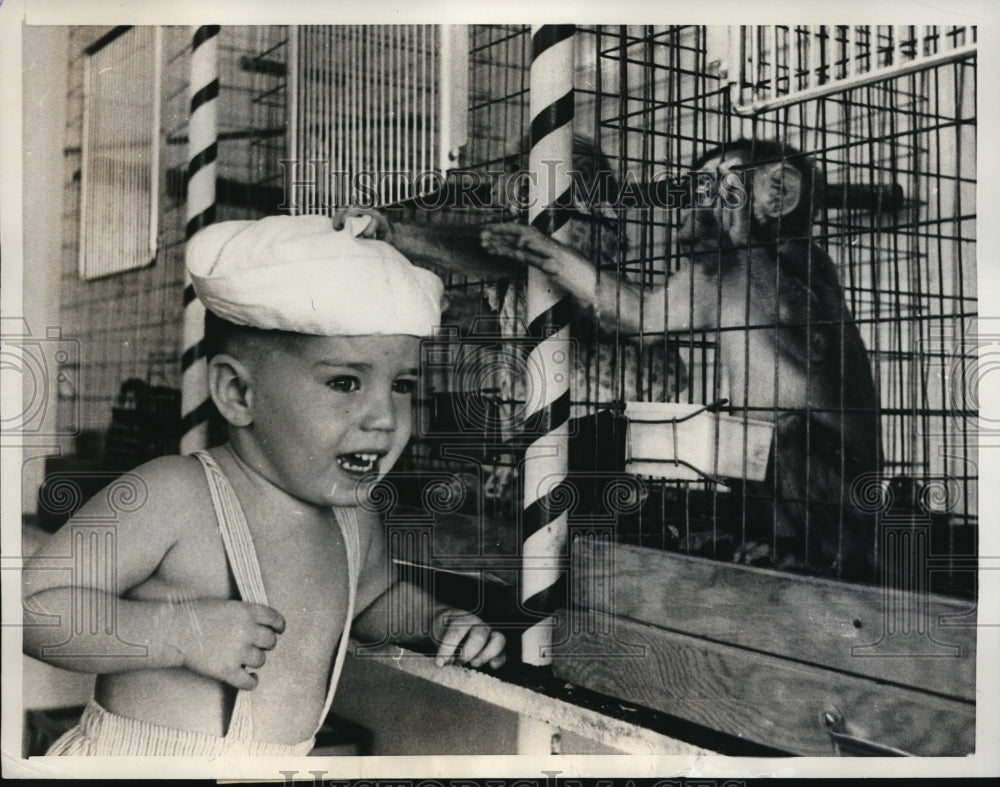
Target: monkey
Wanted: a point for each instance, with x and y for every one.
(751, 275)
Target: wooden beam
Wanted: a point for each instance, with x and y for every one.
(758, 697)
(925, 641)
(621, 735)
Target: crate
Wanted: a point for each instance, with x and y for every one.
(804, 665)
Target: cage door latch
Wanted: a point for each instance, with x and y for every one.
(847, 745)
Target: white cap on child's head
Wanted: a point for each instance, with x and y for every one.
(297, 273)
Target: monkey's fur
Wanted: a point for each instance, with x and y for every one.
(754, 280)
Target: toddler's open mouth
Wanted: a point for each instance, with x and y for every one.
(359, 463)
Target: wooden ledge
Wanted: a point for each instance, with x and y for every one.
(630, 738)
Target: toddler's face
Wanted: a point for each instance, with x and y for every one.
(329, 410)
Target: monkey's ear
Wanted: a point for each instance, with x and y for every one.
(777, 190)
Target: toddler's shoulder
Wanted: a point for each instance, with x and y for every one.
(170, 474)
(151, 509)
(166, 494)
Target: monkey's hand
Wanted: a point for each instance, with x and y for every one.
(571, 271)
(379, 228)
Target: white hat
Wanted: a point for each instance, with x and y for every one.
(297, 273)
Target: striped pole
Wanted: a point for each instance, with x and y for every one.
(203, 135)
(549, 368)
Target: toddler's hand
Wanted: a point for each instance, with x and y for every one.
(464, 637)
(222, 639)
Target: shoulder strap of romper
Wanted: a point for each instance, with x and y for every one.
(242, 559)
(347, 521)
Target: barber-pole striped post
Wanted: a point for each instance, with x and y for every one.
(546, 458)
(203, 138)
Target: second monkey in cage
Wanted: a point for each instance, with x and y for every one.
(786, 340)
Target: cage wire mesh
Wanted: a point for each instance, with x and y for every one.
(898, 153)
(365, 100)
(265, 65)
(898, 223)
(899, 156)
(469, 402)
(776, 65)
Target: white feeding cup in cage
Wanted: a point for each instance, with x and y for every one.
(691, 442)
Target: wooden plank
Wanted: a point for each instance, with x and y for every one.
(590, 724)
(890, 636)
(761, 698)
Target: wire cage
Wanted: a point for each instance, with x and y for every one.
(887, 117)
(894, 214)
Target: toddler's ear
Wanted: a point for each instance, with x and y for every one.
(229, 385)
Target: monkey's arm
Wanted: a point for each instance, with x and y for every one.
(454, 247)
(572, 272)
(623, 304)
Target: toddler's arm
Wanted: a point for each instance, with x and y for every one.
(79, 619)
(458, 635)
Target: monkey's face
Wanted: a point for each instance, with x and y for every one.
(737, 202)
(712, 221)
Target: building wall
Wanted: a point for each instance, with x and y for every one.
(130, 324)
(43, 118)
